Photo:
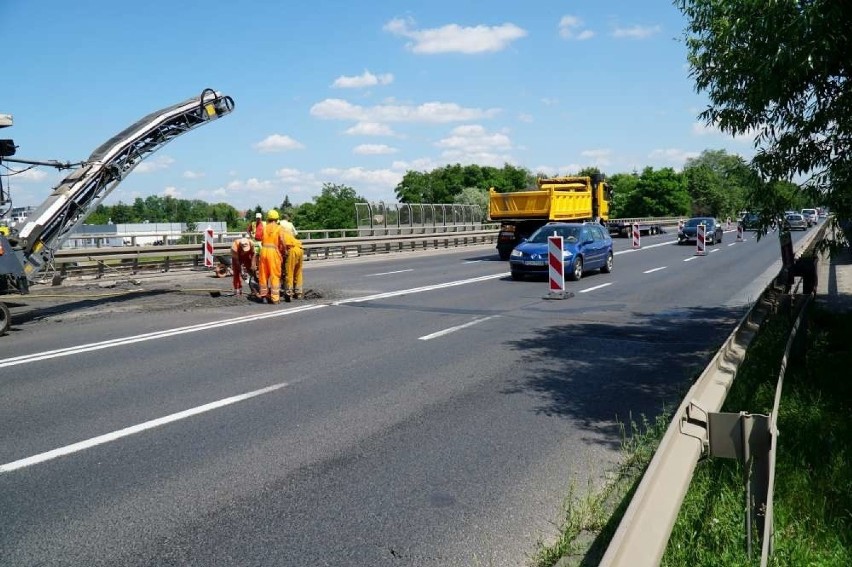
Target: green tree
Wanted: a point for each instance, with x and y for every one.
(779, 71)
(623, 185)
(473, 196)
(659, 193)
(334, 208)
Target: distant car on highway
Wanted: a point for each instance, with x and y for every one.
(795, 221)
(811, 216)
(750, 221)
(712, 230)
(585, 247)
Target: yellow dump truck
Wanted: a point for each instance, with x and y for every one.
(565, 199)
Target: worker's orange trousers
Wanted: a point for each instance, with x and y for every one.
(269, 273)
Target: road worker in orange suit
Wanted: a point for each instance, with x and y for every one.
(242, 261)
(272, 250)
(295, 256)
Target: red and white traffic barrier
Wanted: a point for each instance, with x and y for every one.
(700, 240)
(636, 236)
(556, 265)
(739, 233)
(208, 248)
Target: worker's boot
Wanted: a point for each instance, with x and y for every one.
(287, 298)
(297, 294)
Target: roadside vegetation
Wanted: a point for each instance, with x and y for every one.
(813, 491)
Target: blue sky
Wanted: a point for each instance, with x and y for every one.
(350, 92)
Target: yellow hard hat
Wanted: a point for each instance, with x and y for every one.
(272, 215)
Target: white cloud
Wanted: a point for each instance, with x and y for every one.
(366, 79)
(550, 101)
(420, 164)
(672, 156)
(374, 178)
(158, 163)
(571, 27)
(370, 129)
(702, 129)
(453, 38)
(434, 112)
(636, 32)
(277, 143)
(29, 176)
(192, 174)
(524, 117)
(474, 144)
(171, 191)
(374, 149)
(570, 169)
(251, 184)
(600, 158)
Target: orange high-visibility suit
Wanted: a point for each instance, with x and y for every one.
(242, 258)
(295, 255)
(272, 250)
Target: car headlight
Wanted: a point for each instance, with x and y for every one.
(517, 254)
(566, 254)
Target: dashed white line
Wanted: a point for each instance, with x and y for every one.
(587, 290)
(389, 273)
(652, 270)
(731, 244)
(714, 250)
(419, 289)
(690, 259)
(454, 329)
(101, 439)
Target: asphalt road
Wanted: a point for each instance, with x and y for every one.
(424, 410)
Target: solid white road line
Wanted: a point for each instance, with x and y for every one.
(24, 359)
(389, 273)
(100, 440)
(587, 290)
(456, 328)
(46, 355)
(419, 289)
(654, 270)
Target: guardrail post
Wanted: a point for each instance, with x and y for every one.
(746, 438)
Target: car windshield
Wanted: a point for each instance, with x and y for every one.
(696, 222)
(794, 217)
(568, 233)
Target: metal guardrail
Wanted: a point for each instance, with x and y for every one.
(168, 256)
(645, 528)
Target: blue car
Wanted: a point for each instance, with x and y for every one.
(585, 247)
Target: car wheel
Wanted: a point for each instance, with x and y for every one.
(517, 275)
(577, 273)
(607, 268)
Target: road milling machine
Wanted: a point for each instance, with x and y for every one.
(27, 247)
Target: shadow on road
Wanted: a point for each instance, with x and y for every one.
(600, 374)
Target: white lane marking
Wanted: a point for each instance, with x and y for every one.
(651, 271)
(456, 328)
(587, 290)
(731, 244)
(418, 289)
(471, 261)
(714, 250)
(24, 359)
(389, 273)
(669, 243)
(101, 439)
(691, 259)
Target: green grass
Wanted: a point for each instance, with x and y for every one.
(813, 490)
